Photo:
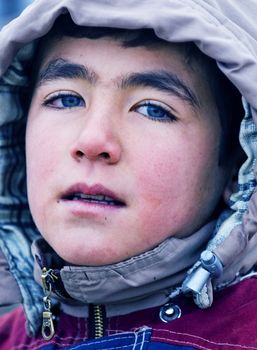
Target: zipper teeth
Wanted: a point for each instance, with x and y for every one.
(99, 321)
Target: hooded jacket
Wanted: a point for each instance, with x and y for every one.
(222, 29)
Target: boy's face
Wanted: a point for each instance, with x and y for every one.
(122, 149)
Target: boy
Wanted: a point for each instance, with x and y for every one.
(129, 151)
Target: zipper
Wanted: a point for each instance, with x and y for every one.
(97, 315)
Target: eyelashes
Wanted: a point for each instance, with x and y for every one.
(151, 109)
(63, 100)
(155, 110)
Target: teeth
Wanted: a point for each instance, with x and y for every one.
(93, 198)
(88, 196)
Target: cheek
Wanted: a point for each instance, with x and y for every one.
(176, 184)
(155, 177)
(168, 168)
(158, 183)
(42, 156)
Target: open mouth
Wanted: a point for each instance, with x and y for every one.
(95, 199)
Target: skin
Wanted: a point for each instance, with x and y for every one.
(164, 170)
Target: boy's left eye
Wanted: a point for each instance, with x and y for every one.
(155, 111)
(62, 101)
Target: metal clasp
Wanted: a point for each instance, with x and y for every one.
(48, 277)
(47, 325)
(47, 329)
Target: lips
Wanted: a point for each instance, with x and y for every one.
(96, 194)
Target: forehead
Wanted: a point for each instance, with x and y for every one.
(107, 58)
(101, 49)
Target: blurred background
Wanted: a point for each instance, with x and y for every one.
(10, 9)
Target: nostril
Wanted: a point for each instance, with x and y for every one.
(105, 155)
(79, 154)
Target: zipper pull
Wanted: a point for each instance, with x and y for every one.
(48, 278)
(47, 325)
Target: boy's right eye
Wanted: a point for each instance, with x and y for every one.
(63, 100)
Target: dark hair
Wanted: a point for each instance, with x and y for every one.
(226, 95)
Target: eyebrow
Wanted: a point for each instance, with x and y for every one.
(63, 69)
(164, 81)
(161, 80)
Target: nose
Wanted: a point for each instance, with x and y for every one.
(96, 140)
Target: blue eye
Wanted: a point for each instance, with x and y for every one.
(62, 101)
(155, 112)
(71, 101)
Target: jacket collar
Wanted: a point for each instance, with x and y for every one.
(138, 283)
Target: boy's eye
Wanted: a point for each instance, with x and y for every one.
(62, 101)
(154, 111)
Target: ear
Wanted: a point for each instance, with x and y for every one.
(232, 184)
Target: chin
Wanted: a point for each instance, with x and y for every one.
(89, 257)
